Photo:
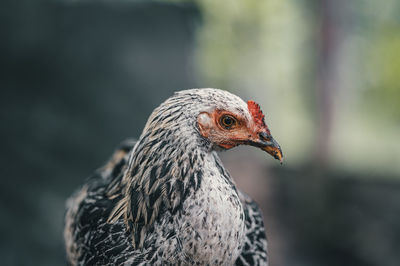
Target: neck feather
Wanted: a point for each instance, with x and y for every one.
(165, 167)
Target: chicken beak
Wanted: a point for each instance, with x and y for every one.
(268, 143)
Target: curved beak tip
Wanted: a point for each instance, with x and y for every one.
(281, 159)
(278, 155)
(274, 150)
(267, 143)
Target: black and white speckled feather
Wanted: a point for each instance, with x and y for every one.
(167, 199)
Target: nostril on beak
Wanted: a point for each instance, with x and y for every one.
(264, 136)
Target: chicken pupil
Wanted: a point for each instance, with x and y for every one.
(228, 121)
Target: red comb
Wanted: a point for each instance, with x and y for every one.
(256, 113)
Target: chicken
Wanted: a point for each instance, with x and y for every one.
(166, 199)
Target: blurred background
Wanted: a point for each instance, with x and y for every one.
(78, 77)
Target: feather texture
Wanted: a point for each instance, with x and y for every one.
(167, 199)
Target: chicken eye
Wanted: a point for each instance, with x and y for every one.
(227, 121)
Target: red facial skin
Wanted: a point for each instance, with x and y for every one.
(241, 132)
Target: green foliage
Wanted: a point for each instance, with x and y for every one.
(382, 63)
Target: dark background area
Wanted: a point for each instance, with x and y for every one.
(78, 77)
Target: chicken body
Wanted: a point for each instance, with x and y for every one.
(166, 199)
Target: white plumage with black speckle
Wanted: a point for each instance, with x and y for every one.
(166, 198)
